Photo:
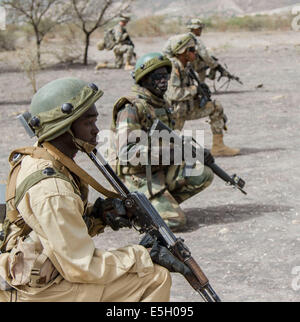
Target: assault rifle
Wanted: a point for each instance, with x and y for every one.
(202, 88)
(148, 220)
(223, 73)
(194, 150)
(204, 91)
(128, 41)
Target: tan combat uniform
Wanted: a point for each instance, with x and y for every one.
(56, 259)
(182, 96)
(203, 59)
(122, 47)
(170, 186)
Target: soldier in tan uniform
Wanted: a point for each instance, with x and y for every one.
(187, 102)
(166, 184)
(203, 59)
(47, 251)
(123, 46)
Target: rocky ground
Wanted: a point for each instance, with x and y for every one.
(248, 245)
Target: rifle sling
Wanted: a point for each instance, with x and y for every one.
(72, 166)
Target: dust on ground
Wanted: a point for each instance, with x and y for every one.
(248, 246)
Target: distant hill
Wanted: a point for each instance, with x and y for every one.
(205, 8)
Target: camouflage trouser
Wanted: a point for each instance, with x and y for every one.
(213, 109)
(170, 187)
(119, 51)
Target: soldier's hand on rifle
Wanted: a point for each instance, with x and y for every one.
(163, 257)
(222, 70)
(204, 88)
(112, 213)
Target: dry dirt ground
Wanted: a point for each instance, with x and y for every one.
(248, 246)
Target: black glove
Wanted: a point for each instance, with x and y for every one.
(112, 212)
(203, 88)
(208, 158)
(163, 257)
(147, 241)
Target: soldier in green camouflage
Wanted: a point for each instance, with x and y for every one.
(166, 185)
(123, 46)
(183, 95)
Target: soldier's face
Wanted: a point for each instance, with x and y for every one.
(197, 32)
(191, 54)
(158, 81)
(85, 128)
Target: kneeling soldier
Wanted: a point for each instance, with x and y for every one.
(165, 184)
(186, 100)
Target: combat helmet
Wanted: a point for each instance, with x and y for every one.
(181, 42)
(148, 63)
(58, 104)
(195, 24)
(124, 18)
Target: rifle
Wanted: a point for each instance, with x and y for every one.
(223, 73)
(205, 92)
(203, 89)
(128, 41)
(194, 151)
(142, 213)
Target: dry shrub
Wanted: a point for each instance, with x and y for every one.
(154, 26)
(250, 23)
(7, 39)
(26, 60)
(65, 44)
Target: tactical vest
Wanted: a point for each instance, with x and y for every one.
(147, 113)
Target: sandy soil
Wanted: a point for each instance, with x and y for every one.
(248, 246)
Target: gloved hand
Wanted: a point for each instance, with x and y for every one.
(208, 158)
(112, 212)
(163, 257)
(147, 241)
(205, 89)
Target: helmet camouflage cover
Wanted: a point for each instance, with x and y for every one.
(124, 18)
(180, 43)
(148, 63)
(195, 24)
(58, 104)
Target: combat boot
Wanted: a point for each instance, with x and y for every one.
(220, 149)
(101, 65)
(128, 66)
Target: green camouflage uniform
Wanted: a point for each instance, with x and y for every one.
(170, 185)
(182, 96)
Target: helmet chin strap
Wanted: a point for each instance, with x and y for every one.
(83, 146)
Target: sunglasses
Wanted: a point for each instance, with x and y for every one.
(191, 49)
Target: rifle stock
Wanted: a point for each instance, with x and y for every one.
(145, 216)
